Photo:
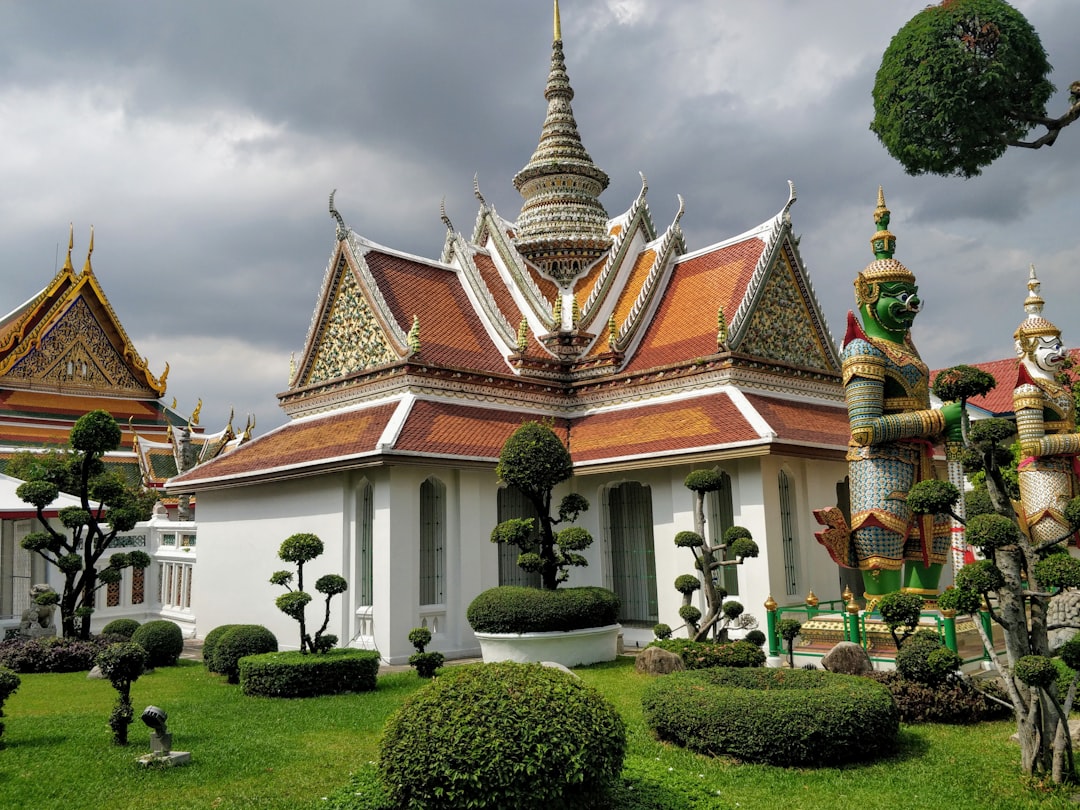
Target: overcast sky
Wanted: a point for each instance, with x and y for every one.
(201, 140)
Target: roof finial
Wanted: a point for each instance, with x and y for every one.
(86, 267)
(558, 25)
(342, 230)
(71, 243)
(442, 215)
(476, 189)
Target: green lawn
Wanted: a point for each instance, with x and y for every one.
(254, 752)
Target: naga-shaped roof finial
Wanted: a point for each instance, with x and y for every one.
(342, 231)
(86, 267)
(442, 215)
(476, 190)
(71, 243)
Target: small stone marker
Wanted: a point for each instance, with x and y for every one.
(848, 658)
(657, 661)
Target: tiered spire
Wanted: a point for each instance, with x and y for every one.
(562, 227)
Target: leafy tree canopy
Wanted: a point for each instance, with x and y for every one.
(961, 82)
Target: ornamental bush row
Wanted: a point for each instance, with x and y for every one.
(512, 609)
(955, 701)
(774, 716)
(705, 654)
(295, 674)
(53, 654)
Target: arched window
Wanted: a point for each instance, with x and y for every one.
(513, 504)
(787, 531)
(719, 517)
(633, 560)
(432, 542)
(365, 519)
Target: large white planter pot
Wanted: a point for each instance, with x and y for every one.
(571, 648)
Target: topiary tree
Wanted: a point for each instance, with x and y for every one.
(238, 641)
(736, 545)
(302, 548)
(122, 664)
(425, 663)
(535, 461)
(902, 610)
(120, 627)
(960, 83)
(1014, 585)
(109, 506)
(9, 684)
(789, 630)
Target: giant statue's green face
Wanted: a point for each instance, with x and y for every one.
(897, 305)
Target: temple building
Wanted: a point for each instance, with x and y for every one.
(64, 353)
(650, 359)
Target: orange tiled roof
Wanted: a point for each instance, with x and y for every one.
(804, 422)
(632, 288)
(584, 286)
(692, 424)
(548, 288)
(301, 443)
(456, 430)
(685, 326)
(451, 333)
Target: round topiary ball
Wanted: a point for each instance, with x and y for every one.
(241, 640)
(502, 735)
(120, 627)
(163, 641)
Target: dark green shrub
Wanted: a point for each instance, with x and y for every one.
(662, 630)
(210, 644)
(756, 637)
(50, 654)
(513, 609)
(238, 641)
(9, 684)
(120, 627)
(502, 735)
(163, 641)
(956, 701)
(1035, 670)
(1065, 677)
(924, 659)
(774, 716)
(706, 654)
(296, 674)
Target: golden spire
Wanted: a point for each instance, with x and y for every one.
(71, 243)
(558, 25)
(86, 267)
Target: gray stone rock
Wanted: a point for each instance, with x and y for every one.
(95, 674)
(847, 658)
(655, 661)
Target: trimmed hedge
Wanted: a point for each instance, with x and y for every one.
(774, 716)
(9, 684)
(120, 627)
(503, 735)
(706, 654)
(237, 642)
(513, 609)
(210, 643)
(296, 674)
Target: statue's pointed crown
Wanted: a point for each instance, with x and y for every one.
(1034, 325)
(884, 268)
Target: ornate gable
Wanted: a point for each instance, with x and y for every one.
(784, 324)
(346, 335)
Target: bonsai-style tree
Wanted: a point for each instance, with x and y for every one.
(299, 549)
(122, 664)
(534, 461)
(789, 630)
(9, 684)
(960, 83)
(109, 506)
(425, 663)
(735, 546)
(901, 610)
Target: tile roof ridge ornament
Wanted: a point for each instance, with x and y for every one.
(342, 231)
(68, 266)
(476, 190)
(87, 269)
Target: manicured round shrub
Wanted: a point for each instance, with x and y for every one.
(513, 609)
(956, 701)
(502, 735)
(241, 640)
(296, 674)
(9, 684)
(210, 644)
(163, 641)
(705, 654)
(756, 637)
(120, 627)
(1036, 670)
(774, 716)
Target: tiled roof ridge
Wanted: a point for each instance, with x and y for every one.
(637, 217)
(513, 262)
(473, 281)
